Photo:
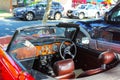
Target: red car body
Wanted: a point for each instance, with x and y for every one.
(9, 70)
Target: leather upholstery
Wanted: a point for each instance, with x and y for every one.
(90, 72)
(105, 58)
(64, 69)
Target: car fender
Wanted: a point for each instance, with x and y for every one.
(30, 12)
(58, 12)
(82, 11)
(33, 10)
(8, 71)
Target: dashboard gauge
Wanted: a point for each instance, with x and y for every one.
(55, 47)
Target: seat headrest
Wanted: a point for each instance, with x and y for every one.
(107, 57)
(63, 67)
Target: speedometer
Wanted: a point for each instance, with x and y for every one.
(55, 47)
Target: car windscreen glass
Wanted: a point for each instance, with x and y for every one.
(32, 5)
(41, 35)
(116, 15)
(81, 7)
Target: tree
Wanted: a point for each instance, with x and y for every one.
(47, 11)
(25, 2)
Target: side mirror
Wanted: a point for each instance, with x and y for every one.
(85, 40)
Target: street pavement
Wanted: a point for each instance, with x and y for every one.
(3, 15)
(9, 25)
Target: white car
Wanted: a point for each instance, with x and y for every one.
(84, 10)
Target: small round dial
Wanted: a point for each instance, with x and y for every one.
(55, 47)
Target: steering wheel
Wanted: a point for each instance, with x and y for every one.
(68, 49)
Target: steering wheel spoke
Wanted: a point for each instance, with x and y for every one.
(72, 56)
(71, 45)
(67, 49)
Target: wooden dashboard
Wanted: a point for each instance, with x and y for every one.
(29, 52)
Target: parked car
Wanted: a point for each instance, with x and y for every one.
(113, 15)
(98, 27)
(111, 30)
(109, 22)
(105, 32)
(56, 51)
(37, 11)
(84, 10)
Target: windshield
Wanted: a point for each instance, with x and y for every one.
(43, 32)
(37, 5)
(32, 5)
(26, 39)
(81, 6)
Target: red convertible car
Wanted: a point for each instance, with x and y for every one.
(59, 51)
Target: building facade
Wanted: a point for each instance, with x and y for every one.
(6, 5)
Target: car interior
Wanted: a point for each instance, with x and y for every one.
(65, 58)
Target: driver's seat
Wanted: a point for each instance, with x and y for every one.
(64, 69)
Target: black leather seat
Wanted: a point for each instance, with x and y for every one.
(64, 69)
